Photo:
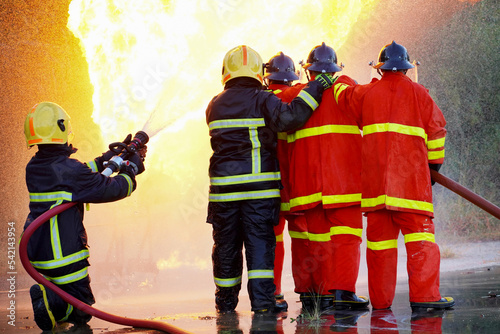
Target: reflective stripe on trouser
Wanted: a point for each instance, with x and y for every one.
(297, 229)
(423, 260)
(249, 223)
(279, 254)
(62, 310)
(346, 229)
(312, 265)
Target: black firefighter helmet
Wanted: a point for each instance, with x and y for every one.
(323, 59)
(393, 57)
(281, 68)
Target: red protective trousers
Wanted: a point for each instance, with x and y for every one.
(279, 255)
(326, 249)
(423, 257)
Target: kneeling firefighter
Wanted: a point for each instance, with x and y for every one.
(244, 199)
(58, 249)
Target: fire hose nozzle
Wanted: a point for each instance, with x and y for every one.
(123, 151)
(141, 138)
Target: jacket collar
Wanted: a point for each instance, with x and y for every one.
(47, 150)
(397, 74)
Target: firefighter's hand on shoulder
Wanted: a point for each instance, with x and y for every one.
(133, 165)
(325, 79)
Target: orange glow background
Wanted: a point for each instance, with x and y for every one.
(118, 67)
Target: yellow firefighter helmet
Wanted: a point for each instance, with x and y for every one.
(47, 123)
(242, 61)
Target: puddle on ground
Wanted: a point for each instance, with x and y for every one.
(477, 310)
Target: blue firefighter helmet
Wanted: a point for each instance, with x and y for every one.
(394, 57)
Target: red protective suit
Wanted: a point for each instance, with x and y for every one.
(403, 132)
(325, 185)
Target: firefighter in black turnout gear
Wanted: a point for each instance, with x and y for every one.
(244, 199)
(58, 249)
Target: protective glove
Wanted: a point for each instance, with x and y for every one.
(325, 79)
(134, 164)
(435, 167)
(142, 152)
(106, 156)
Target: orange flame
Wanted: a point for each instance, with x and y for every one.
(156, 57)
(155, 65)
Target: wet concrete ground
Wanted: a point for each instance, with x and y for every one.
(477, 310)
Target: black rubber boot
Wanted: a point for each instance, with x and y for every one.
(281, 304)
(422, 313)
(312, 302)
(326, 302)
(348, 300)
(79, 318)
(41, 309)
(309, 301)
(226, 299)
(443, 303)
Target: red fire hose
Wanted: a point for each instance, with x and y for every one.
(23, 254)
(466, 193)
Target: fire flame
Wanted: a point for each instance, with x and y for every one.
(160, 60)
(156, 64)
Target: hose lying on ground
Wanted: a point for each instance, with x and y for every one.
(23, 254)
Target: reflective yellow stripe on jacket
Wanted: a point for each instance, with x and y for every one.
(337, 89)
(322, 130)
(58, 197)
(394, 127)
(59, 259)
(326, 199)
(70, 278)
(255, 176)
(318, 197)
(93, 166)
(64, 261)
(307, 98)
(435, 147)
(245, 178)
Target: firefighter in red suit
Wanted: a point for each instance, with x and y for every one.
(403, 136)
(280, 74)
(325, 186)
